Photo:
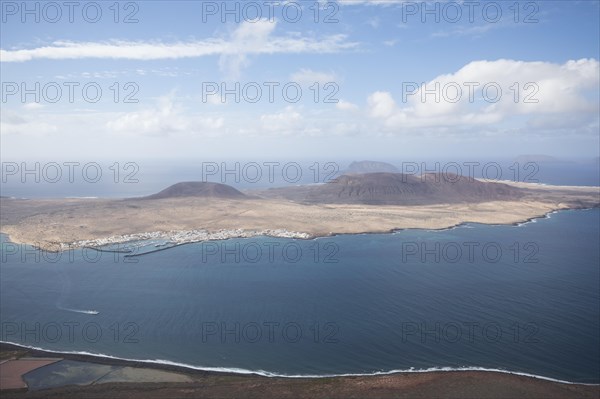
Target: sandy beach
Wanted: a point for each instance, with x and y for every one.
(203, 384)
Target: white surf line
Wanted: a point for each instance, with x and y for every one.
(270, 374)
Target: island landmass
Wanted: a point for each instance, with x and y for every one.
(379, 202)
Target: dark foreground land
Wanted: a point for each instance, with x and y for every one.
(463, 384)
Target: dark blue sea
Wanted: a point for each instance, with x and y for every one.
(522, 298)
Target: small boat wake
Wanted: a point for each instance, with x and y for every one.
(65, 291)
(92, 312)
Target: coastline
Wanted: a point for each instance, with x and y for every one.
(479, 383)
(181, 367)
(176, 238)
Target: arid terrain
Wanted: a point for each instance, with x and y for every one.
(202, 384)
(369, 203)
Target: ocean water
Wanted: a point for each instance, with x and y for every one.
(522, 298)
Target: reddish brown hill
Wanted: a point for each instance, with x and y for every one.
(198, 189)
(398, 189)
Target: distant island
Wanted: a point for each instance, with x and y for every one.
(539, 158)
(352, 203)
(371, 167)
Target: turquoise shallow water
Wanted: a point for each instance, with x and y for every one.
(519, 298)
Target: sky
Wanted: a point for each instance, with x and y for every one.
(348, 79)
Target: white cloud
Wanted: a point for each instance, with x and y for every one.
(374, 22)
(381, 104)
(13, 123)
(475, 31)
(33, 106)
(346, 106)
(543, 89)
(567, 105)
(285, 122)
(163, 119)
(248, 39)
(309, 77)
(371, 2)
(232, 64)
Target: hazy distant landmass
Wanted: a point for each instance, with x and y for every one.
(198, 189)
(539, 158)
(371, 167)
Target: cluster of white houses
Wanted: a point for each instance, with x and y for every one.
(183, 237)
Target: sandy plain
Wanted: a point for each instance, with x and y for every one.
(46, 223)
